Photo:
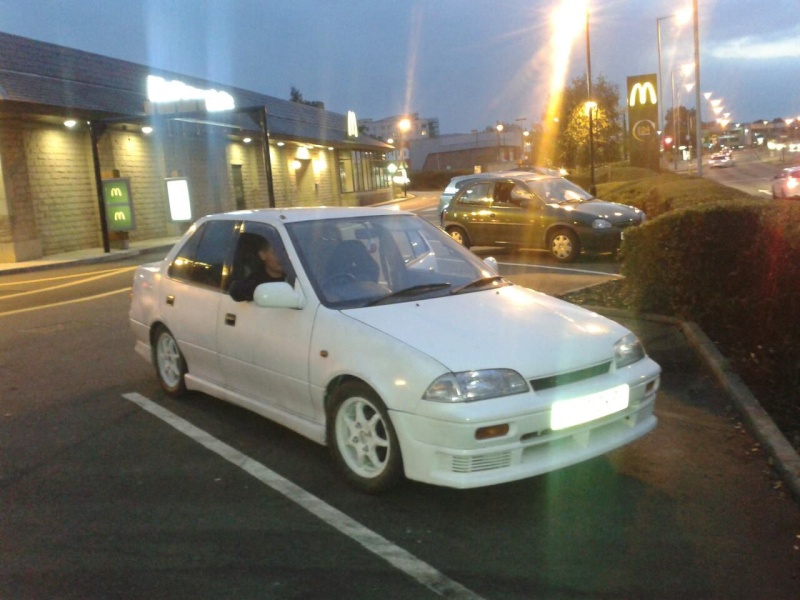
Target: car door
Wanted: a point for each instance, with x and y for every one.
(473, 212)
(191, 294)
(506, 218)
(264, 351)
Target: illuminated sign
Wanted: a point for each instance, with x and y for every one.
(118, 204)
(180, 203)
(159, 91)
(644, 92)
(644, 129)
(352, 124)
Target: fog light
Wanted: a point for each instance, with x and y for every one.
(493, 431)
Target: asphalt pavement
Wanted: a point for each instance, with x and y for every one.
(785, 458)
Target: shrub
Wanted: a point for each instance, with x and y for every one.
(733, 267)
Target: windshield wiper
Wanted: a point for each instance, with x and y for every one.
(478, 283)
(411, 291)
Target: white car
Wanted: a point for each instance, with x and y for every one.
(721, 160)
(392, 344)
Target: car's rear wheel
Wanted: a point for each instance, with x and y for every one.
(362, 439)
(564, 245)
(169, 362)
(459, 235)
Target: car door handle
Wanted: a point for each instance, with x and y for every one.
(170, 300)
(230, 319)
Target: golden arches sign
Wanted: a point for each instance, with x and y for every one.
(644, 92)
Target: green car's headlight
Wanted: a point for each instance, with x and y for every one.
(469, 386)
(627, 351)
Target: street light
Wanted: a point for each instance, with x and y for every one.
(403, 125)
(699, 116)
(682, 16)
(592, 186)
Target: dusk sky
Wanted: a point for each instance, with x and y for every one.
(471, 63)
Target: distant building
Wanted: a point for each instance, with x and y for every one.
(484, 150)
(388, 128)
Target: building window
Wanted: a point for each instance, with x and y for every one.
(361, 172)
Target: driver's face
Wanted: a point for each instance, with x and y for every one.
(271, 261)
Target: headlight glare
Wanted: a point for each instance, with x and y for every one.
(627, 351)
(469, 386)
(601, 224)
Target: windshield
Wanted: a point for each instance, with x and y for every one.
(558, 190)
(361, 261)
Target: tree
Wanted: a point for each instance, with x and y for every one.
(573, 142)
(296, 95)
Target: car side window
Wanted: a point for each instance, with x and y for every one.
(247, 262)
(478, 194)
(202, 258)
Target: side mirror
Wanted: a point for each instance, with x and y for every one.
(492, 262)
(279, 294)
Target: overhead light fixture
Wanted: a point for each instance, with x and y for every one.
(247, 140)
(70, 123)
(280, 144)
(147, 130)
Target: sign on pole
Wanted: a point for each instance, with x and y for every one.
(643, 107)
(119, 204)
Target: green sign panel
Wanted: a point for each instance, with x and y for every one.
(119, 204)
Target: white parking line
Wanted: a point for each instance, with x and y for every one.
(102, 275)
(54, 304)
(375, 543)
(563, 269)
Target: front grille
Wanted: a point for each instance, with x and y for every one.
(545, 383)
(484, 462)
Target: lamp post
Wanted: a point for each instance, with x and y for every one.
(403, 125)
(592, 186)
(681, 16)
(698, 116)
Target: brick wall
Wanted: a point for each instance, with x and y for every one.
(62, 191)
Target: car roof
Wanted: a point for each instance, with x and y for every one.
(303, 213)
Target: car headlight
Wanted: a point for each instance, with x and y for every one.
(601, 224)
(627, 351)
(469, 386)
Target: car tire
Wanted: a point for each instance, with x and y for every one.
(362, 439)
(459, 235)
(564, 245)
(169, 362)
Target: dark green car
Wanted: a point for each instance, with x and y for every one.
(528, 210)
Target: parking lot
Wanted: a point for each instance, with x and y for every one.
(111, 489)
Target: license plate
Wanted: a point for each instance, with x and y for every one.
(575, 411)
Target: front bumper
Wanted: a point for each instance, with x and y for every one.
(447, 453)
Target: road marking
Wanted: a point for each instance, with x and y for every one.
(564, 269)
(102, 275)
(65, 302)
(375, 543)
(73, 276)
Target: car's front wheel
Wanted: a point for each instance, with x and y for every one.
(362, 439)
(169, 362)
(564, 245)
(459, 235)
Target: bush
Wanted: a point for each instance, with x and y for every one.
(731, 266)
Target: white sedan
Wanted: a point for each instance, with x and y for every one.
(380, 336)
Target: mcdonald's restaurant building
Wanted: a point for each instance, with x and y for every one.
(96, 151)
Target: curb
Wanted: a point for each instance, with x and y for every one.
(782, 454)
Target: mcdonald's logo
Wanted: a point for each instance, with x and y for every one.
(115, 192)
(644, 92)
(352, 124)
(120, 216)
